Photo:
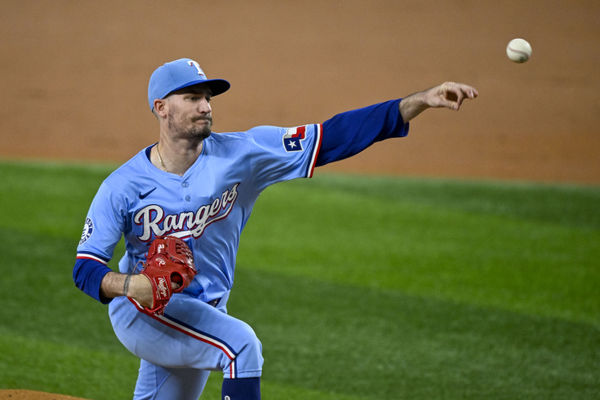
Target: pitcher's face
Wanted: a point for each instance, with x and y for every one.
(189, 113)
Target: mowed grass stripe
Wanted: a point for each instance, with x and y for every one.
(46, 365)
(382, 344)
(565, 204)
(40, 299)
(505, 260)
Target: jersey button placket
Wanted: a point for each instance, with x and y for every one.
(185, 185)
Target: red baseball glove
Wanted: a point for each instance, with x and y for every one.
(169, 260)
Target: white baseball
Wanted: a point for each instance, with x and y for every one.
(518, 50)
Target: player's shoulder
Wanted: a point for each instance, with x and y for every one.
(246, 135)
(265, 130)
(134, 165)
(241, 141)
(243, 136)
(225, 137)
(261, 137)
(128, 174)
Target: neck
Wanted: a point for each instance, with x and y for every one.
(175, 157)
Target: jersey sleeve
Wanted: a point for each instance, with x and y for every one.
(350, 132)
(102, 231)
(280, 154)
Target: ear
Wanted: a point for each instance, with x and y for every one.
(160, 107)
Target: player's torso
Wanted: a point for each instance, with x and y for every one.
(185, 206)
(207, 207)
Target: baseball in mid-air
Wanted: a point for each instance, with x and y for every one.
(518, 50)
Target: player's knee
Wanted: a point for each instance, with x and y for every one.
(251, 348)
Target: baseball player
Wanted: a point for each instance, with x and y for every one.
(199, 187)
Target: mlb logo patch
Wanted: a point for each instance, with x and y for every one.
(88, 229)
(293, 137)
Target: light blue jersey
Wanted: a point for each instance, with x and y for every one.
(208, 206)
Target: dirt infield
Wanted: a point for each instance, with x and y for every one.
(33, 395)
(75, 75)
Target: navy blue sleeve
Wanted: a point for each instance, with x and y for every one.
(351, 132)
(88, 275)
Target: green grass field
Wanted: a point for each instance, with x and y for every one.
(359, 288)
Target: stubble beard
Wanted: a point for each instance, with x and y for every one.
(193, 131)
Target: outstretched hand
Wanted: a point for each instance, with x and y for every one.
(447, 95)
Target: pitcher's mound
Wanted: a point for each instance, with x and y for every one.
(15, 394)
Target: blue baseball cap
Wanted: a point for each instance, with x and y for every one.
(177, 75)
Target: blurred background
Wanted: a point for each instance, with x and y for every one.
(74, 76)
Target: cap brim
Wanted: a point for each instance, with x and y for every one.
(216, 86)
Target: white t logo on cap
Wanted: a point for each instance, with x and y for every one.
(193, 63)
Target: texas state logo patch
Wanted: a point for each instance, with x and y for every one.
(88, 228)
(293, 137)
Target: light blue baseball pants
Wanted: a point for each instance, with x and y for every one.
(180, 348)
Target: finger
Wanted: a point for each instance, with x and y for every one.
(469, 91)
(452, 99)
(441, 97)
(452, 105)
(460, 96)
(464, 92)
(452, 93)
(448, 93)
